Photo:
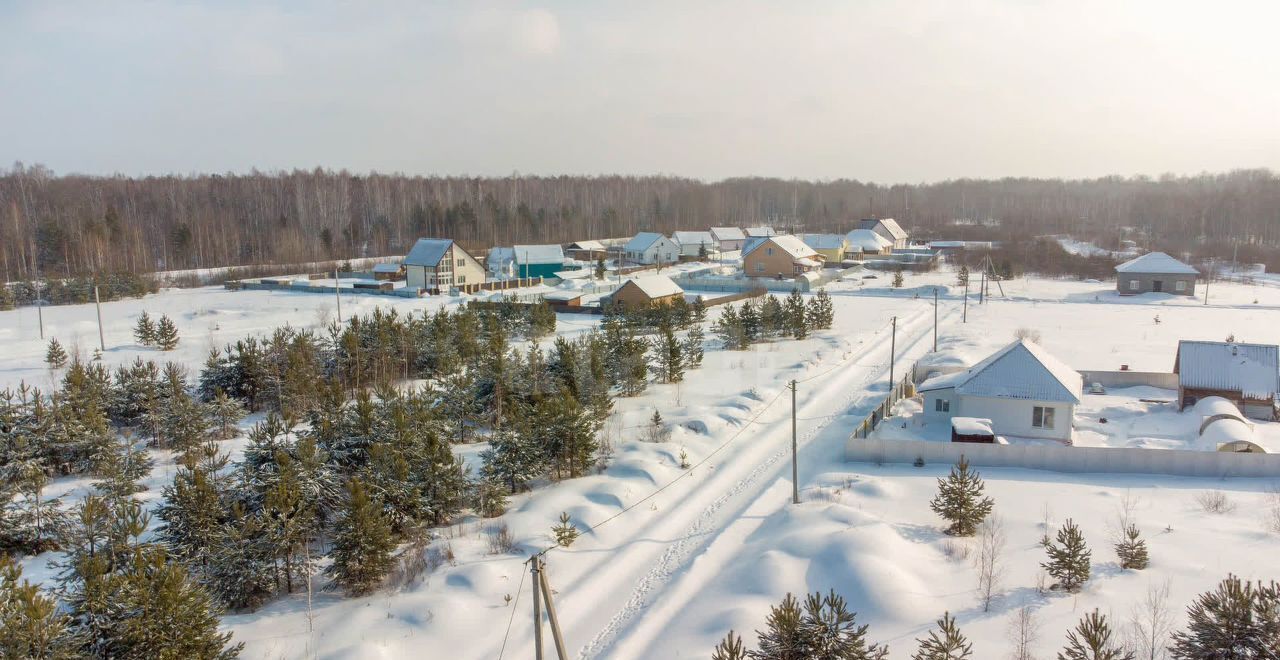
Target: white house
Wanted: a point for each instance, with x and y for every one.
(439, 263)
(887, 228)
(1022, 389)
(695, 243)
(651, 248)
(729, 238)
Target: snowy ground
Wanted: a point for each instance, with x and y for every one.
(688, 557)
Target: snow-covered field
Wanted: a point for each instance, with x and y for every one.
(673, 559)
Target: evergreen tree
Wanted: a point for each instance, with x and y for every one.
(962, 276)
(513, 459)
(830, 632)
(241, 567)
(781, 639)
(945, 643)
(960, 501)
(1132, 550)
(122, 467)
(489, 497)
(1068, 558)
(542, 320)
(693, 346)
(897, 279)
(773, 321)
(225, 411)
(192, 511)
(55, 356)
(565, 531)
(729, 329)
(698, 311)
(729, 648)
(145, 330)
(1236, 621)
(821, 313)
(362, 545)
(1091, 640)
(669, 351)
(166, 334)
(31, 626)
(752, 324)
(600, 270)
(796, 322)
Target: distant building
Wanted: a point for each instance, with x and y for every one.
(1022, 389)
(1156, 272)
(587, 250)
(888, 229)
(1247, 375)
(695, 243)
(729, 238)
(759, 232)
(863, 242)
(651, 248)
(389, 272)
(830, 246)
(537, 260)
(439, 263)
(649, 290)
(779, 256)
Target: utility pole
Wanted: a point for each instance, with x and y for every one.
(337, 295)
(102, 342)
(537, 609)
(795, 476)
(893, 351)
(1206, 291)
(964, 313)
(556, 637)
(982, 286)
(935, 319)
(39, 305)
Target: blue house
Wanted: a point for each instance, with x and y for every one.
(538, 260)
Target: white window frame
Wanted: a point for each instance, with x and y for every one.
(1042, 417)
(1180, 285)
(1133, 285)
(942, 405)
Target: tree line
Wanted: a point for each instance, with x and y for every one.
(76, 225)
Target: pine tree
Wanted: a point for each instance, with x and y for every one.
(698, 311)
(752, 325)
(31, 626)
(693, 350)
(1236, 621)
(781, 639)
(192, 511)
(166, 334)
(897, 279)
(729, 648)
(797, 325)
(565, 531)
(670, 354)
(145, 330)
(600, 270)
(513, 459)
(1132, 550)
(240, 569)
(1091, 640)
(962, 277)
(362, 545)
(945, 643)
(489, 497)
(960, 501)
(829, 631)
(55, 356)
(1068, 558)
(225, 412)
(821, 314)
(542, 320)
(729, 329)
(122, 467)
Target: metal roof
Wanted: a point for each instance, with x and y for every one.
(1021, 370)
(694, 238)
(1157, 263)
(728, 234)
(538, 254)
(789, 244)
(656, 286)
(760, 231)
(890, 225)
(386, 268)
(427, 252)
(824, 241)
(1253, 370)
(867, 240)
(642, 241)
(587, 245)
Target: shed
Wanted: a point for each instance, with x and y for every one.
(695, 243)
(1156, 272)
(1247, 375)
(388, 271)
(587, 250)
(648, 290)
(972, 429)
(864, 241)
(1021, 388)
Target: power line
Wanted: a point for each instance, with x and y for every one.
(514, 605)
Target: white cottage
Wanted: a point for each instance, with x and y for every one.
(651, 248)
(1022, 389)
(729, 238)
(695, 243)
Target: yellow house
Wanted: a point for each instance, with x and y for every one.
(830, 246)
(779, 256)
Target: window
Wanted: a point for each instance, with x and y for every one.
(941, 405)
(1133, 285)
(768, 251)
(1042, 417)
(759, 268)
(1180, 285)
(462, 279)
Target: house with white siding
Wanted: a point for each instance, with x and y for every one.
(1023, 390)
(651, 248)
(695, 243)
(889, 229)
(439, 263)
(729, 238)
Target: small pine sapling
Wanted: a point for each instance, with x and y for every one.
(55, 356)
(565, 532)
(960, 501)
(1068, 558)
(729, 648)
(166, 335)
(945, 643)
(1132, 550)
(1091, 640)
(145, 330)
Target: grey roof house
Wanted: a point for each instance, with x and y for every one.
(1155, 272)
(1245, 374)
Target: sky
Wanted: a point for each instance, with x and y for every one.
(883, 91)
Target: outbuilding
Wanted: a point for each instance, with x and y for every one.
(1247, 375)
(695, 243)
(537, 260)
(1156, 272)
(648, 290)
(863, 242)
(830, 246)
(1021, 389)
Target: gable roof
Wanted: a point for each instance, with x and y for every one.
(788, 243)
(587, 245)
(655, 286)
(890, 225)
(867, 240)
(427, 252)
(823, 241)
(1021, 370)
(643, 241)
(1157, 263)
(760, 231)
(1251, 369)
(728, 234)
(693, 238)
(538, 254)
(387, 268)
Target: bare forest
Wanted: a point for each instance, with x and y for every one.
(74, 225)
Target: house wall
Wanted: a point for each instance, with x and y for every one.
(760, 263)
(692, 249)
(663, 250)
(1146, 283)
(467, 269)
(930, 402)
(538, 270)
(415, 277)
(730, 244)
(630, 295)
(1013, 416)
(832, 255)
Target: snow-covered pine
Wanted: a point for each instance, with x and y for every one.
(797, 321)
(960, 501)
(781, 638)
(55, 356)
(1068, 558)
(363, 543)
(31, 624)
(829, 630)
(693, 349)
(166, 334)
(1132, 550)
(1236, 620)
(1091, 640)
(945, 643)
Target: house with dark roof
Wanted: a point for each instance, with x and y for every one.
(439, 263)
(1156, 272)
(1247, 375)
(1021, 388)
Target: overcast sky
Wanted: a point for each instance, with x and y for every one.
(883, 91)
